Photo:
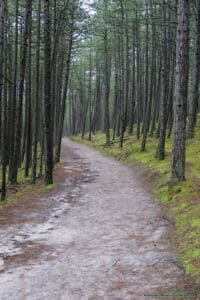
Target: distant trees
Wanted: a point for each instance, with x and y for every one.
(140, 53)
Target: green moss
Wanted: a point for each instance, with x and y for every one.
(164, 195)
(192, 253)
(195, 223)
(48, 187)
(191, 269)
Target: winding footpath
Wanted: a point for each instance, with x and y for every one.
(99, 234)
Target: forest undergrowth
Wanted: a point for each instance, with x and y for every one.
(180, 200)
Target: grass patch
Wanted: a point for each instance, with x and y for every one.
(182, 200)
(48, 187)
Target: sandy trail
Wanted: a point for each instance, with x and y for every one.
(97, 235)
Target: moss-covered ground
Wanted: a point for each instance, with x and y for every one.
(182, 200)
(15, 191)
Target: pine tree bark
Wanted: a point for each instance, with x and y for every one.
(12, 119)
(139, 77)
(18, 132)
(37, 96)
(47, 96)
(147, 104)
(122, 75)
(164, 85)
(107, 89)
(181, 89)
(193, 104)
(133, 86)
(64, 96)
(4, 130)
(2, 20)
(90, 95)
(3, 101)
(28, 145)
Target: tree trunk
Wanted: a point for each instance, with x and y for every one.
(2, 25)
(181, 89)
(107, 89)
(3, 96)
(164, 85)
(28, 146)
(64, 96)
(12, 119)
(47, 96)
(18, 132)
(37, 96)
(193, 104)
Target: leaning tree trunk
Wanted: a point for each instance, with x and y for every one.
(181, 89)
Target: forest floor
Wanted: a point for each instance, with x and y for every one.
(97, 234)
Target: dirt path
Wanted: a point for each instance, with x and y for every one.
(97, 235)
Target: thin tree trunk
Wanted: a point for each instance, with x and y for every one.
(37, 96)
(107, 89)
(12, 118)
(164, 85)
(3, 95)
(193, 104)
(181, 89)
(18, 132)
(2, 27)
(64, 96)
(28, 145)
(47, 96)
